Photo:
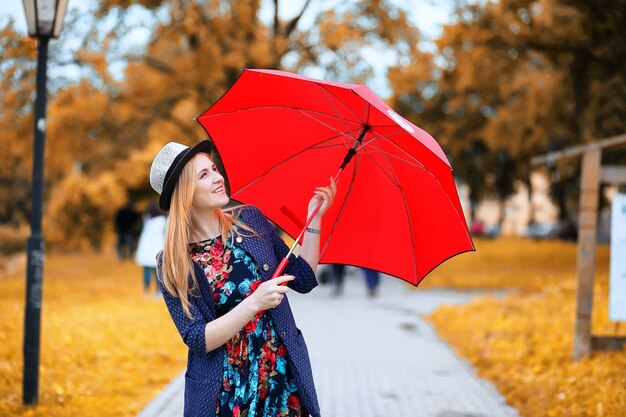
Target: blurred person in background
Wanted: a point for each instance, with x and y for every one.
(127, 226)
(339, 272)
(372, 280)
(151, 242)
(477, 228)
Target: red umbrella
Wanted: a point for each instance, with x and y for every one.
(396, 210)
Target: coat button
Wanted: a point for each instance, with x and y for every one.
(266, 267)
(239, 239)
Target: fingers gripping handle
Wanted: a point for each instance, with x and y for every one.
(281, 267)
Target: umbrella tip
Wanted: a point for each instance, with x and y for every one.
(195, 119)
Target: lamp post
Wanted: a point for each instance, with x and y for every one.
(44, 19)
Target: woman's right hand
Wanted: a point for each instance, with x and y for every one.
(270, 293)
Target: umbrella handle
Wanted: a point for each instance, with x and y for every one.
(283, 263)
(281, 267)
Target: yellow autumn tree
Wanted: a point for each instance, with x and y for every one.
(519, 78)
(103, 126)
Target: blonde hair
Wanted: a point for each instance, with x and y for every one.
(177, 262)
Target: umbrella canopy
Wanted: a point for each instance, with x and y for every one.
(396, 210)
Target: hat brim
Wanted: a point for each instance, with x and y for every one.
(205, 146)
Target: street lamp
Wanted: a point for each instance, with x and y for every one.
(44, 19)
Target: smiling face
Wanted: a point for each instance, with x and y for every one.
(210, 192)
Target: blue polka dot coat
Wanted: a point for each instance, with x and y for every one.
(203, 377)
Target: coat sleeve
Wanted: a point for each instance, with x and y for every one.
(192, 331)
(305, 279)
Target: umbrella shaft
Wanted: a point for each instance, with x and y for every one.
(352, 151)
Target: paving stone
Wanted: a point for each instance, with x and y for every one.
(378, 357)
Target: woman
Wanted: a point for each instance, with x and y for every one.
(151, 241)
(246, 355)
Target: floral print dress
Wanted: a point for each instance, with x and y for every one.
(257, 380)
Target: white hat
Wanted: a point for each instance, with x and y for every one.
(168, 164)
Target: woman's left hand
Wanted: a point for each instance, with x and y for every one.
(325, 193)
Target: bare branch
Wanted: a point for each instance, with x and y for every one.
(294, 22)
(159, 65)
(185, 127)
(276, 19)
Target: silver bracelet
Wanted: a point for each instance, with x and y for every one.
(316, 231)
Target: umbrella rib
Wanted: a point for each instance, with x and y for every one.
(418, 164)
(275, 107)
(393, 125)
(287, 160)
(329, 146)
(380, 135)
(422, 145)
(365, 112)
(382, 152)
(356, 165)
(332, 105)
(341, 102)
(222, 113)
(406, 208)
(327, 115)
(376, 162)
(440, 185)
(343, 204)
(341, 132)
(303, 112)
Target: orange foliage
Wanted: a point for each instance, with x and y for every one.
(106, 350)
(517, 79)
(523, 342)
(16, 91)
(513, 263)
(83, 210)
(101, 132)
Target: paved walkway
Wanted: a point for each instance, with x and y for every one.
(378, 357)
